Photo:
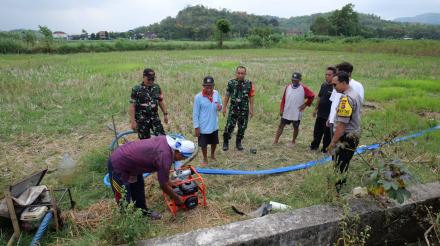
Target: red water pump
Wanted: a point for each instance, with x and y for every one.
(189, 185)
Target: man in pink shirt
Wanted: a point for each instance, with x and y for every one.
(296, 98)
(128, 162)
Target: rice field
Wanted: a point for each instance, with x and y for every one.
(56, 104)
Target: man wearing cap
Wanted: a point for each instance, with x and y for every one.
(205, 120)
(347, 131)
(146, 97)
(241, 92)
(296, 98)
(322, 111)
(128, 162)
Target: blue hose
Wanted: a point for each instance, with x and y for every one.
(42, 228)
(295, 167)
(107, 181)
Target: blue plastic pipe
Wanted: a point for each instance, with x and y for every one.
(295, 167)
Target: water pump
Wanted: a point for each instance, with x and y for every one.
(189, 185)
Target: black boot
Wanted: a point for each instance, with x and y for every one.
(340, 184)
(225, 143)
(238, 144)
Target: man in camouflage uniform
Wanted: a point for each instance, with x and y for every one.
(241, 91)
(146, 97)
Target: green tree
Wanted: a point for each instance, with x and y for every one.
(29, 37)
(84, 34)
(48, 37)
(223, 28)
(92, 36)
(345, 21)
(261, 36)
(322, 26)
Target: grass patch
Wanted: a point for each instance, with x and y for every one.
(383, 94)
(429, 86)
(418, 104)
(86, 182)
(408, 95)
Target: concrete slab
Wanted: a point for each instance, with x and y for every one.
(318, 225)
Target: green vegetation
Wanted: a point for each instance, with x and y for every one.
(51, 104)
(223, 27)
(260, 37)
(126, 226)
(48, 37)
(351, 233)
(20, 46)
(360, 45)
(198, 23)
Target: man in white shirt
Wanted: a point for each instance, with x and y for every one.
(336, 96)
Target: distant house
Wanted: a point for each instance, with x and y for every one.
(294, 33)
(60, 35)
(74, 37)
(150, 35)
(102, 35)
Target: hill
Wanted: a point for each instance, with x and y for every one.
(198, 23)
(428, 18)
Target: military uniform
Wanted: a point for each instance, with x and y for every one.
(240, 93)
(348, 112)
(146, 101)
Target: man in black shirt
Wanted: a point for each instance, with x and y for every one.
(322, 112)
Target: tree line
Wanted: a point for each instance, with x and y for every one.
(347, 22)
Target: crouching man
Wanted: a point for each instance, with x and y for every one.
(128, 162)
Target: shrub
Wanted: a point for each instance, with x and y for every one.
(12, 46)
(275, 38)
(255, 40)
(351, 40)
(318, 39)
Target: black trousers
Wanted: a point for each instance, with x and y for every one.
(134, 192)
(344, 154)
(320, 130)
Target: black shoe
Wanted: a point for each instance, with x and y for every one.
(313, 148)
(340, 184)
(238, 144)
(225, 144)
(154, 215)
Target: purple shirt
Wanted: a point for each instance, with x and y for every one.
(143, 156)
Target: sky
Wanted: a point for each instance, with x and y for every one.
(113, 15)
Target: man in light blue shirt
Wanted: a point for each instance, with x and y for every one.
(205, 120)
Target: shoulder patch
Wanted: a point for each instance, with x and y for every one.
(344, 107)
